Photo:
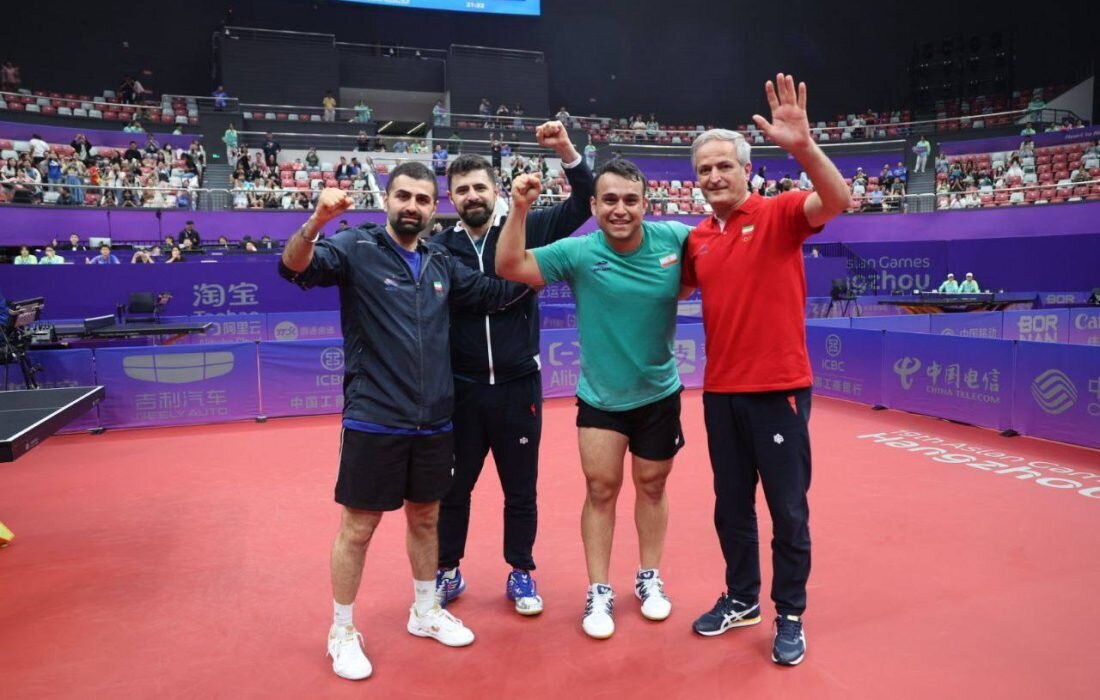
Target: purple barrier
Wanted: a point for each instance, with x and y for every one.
(820, 273)
(964, 379)
(909, 323)
(561, 359)
(1084, 326)
(302, 378)
(841, 322)
(1057, 392)
(66, 368)
(238, 328)
(1061, 298)
(199, 288)
(777, 167)
(979, 324)
(1041, 262)
(1011, 143)
(63, 135)
(1045, 326)
(847, 363)
(150, 386)
(303, 325)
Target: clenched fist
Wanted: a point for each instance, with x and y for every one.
(525, 190)
(332, 203)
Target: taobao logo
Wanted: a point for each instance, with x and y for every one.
(182, 368)
(1054, 392)
(905, 368)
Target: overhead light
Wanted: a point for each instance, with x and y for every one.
(410, 131)
(385, 126)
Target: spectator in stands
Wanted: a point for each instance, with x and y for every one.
(132, 154)
(125, 90)
(105, 257)
(760, 180)
(74, 244)
(886, 177)
(874, 201)
(175, 256)
(25, 257)
(485, 109)
(417, 147)
(134, 127)
(72, 177)
(969, 285)
(38, 149)
(1027, 147)
(652, 127)
(229, 138)
(502, 114)
(53, 168)
(51, 257)
(496, 153)
(1015, 169)
(517, 118)
(972, 200)
(900, 176)
(82, 149)
(267, 244)
(589, 156)
(638, 126)
(943, 165)
(151, 146)
(1035, 107)
(362, 112)
(9, 77)
(922, 149)
(804, 183)
(221, 99)
(362, 142)
(188, 233)
(1080, 174)
(949, 285)
(562, 114)
(141, 257)
(439, 160)
(343, 170)
(329, 102)
(957, 202)
(1092, 152)
(440, 115)
(271, 149)
(1028, 130)
(859, 186)
(400, 146)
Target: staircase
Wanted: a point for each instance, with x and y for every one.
(218, 170)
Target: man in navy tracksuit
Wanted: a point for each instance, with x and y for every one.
(396, 449)
(498, 385)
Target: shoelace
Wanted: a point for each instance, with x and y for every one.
(607, 600)
(788, 630)
(445, 614)
(651, 586)
(524, 584)
(345, 639)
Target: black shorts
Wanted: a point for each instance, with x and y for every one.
(380, 472)
(654, 429)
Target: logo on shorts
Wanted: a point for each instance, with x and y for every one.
(778, 439)
(601, 266)
(523, 441)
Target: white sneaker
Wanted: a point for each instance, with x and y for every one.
(650, 589)
(599, 608)
(440, 625)
(345, 646)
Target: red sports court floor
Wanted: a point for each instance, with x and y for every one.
(193, 563)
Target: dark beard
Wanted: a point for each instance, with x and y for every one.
(407, 229)
(478, 218)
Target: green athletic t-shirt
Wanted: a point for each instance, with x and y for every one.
(626, 312)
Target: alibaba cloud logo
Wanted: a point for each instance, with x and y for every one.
(182, 368)
(1054, 392)
(905, 368)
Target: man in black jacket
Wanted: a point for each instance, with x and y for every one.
(396, 446)
(498, 385)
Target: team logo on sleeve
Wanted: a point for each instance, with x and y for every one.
(670, 259)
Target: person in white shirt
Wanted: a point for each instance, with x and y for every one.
(39, 149)
(804, 182)
(957, 202)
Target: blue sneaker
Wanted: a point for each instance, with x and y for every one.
(521, 589)
(789, 647)
(726, 614)
(449, 585)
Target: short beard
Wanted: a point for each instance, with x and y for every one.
(479, 219)
(405, 229)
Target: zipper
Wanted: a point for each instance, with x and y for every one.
(488, 333)
(424, 262)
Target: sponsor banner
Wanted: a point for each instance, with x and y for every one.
(843, 322)
(909, 323)
(177, 385)
(1039, 326)
(558, 316)
(556, 293)
(226, 329)
(896, 268)
(560, 351)
(63, 369)
(1057, 393)
(873, 306)
(964, 379)
(1084, 326)
(976, 324)
(303, 325)
(818, 307)
(223, 288)
(847, 363)
(302, 377)
(1060, 298)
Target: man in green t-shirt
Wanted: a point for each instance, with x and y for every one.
(626, 282)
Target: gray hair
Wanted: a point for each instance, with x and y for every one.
(741, 146)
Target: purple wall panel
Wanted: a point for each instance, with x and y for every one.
(21, 131)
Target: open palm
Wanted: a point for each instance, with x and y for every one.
(790, 127)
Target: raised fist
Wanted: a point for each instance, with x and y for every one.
(332, 203)
(525, 190)
(552, 135)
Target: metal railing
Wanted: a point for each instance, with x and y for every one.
(97, 104)
(1063, 189)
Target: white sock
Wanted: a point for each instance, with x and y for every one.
(342, 614)
(595, 587)
(656, 572)
(424, 595)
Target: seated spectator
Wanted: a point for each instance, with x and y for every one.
(65, 198)
(125, 90)
(223, 243)
(942, 187)
(949, 285)
(362, 112)
(362, 142)
(151, 146)
(972, 200)
(271, 149)
(141, 257)
(1027, 147)
(25, 257)
(417, 147)
(134, 127)
(400, 146)
(1093, 151)
(175, 256)
(82, 149)
(942, 164)
(1028, 130)
(517, 120)
(485, 108)
(1015, 169)
(562, 114)
(886, 177)
(1080, 174)
(343, 170)
(132, 153)
(105, 257)
(875, 201)
(51, 257)
(638, 126)
(652, 128)
(901, 174)
(188, 234)
(250, 247)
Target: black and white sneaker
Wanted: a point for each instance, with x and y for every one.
(789, 647)
(726, 614)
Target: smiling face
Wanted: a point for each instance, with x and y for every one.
(475, 197)
(619, 206)
(723, 179)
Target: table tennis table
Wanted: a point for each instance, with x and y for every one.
(27, 417)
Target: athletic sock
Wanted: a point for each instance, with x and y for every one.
(342, 614)
(424, 595)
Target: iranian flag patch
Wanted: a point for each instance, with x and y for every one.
(670, 259)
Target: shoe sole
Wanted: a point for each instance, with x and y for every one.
(529, 613)
(428, 635)
(749, 622)
(597, 636)
(653, 618)
(352, 678)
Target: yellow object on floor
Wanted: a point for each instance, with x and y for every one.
(5, 535)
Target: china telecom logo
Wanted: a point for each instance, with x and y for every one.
(905, 368)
